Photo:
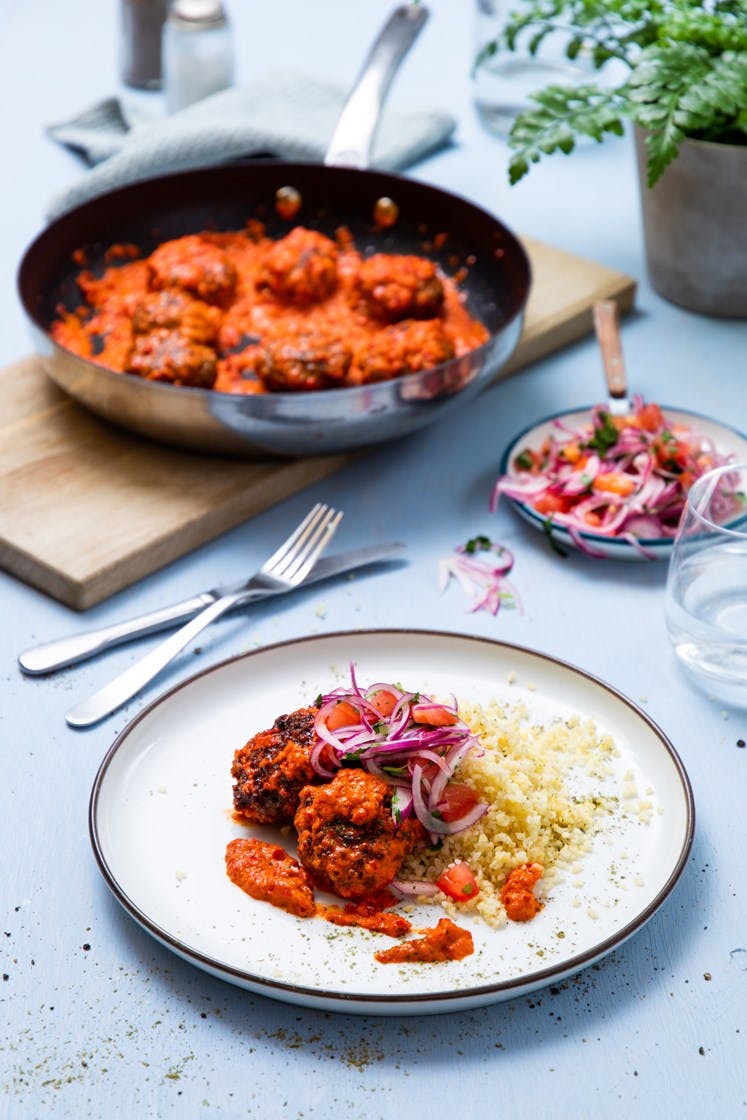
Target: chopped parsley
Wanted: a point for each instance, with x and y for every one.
(547, 526)
(480, 543)
(605, 434)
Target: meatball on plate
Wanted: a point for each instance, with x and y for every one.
(270, 771)
(347, 836)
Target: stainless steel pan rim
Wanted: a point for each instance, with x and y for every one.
(282, 424)
(342, 191)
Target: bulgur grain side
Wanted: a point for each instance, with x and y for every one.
(543, 785)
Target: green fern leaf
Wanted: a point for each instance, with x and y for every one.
(562, 113)
(688, 75)
(683, 90)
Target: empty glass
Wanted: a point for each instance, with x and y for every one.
(706, 597)
(503, 82)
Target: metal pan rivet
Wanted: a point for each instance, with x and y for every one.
(386, 212)
(288, 202)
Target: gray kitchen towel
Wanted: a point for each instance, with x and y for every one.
(285, 115)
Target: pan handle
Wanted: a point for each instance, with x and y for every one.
(353, 137)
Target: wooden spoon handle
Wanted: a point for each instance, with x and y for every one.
(608, 335)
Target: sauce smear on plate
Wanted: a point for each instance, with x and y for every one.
(445, 942)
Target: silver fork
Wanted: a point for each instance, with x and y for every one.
(284, 570)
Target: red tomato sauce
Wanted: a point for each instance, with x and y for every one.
(517, 893)
(445, 942)
(371, 912)
(240, 313)
(268, 873)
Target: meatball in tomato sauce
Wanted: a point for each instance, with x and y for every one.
(270, 770)
(406, 347)
(301, 268)
(194, 264)
(170, 309)
(305, 361)
(394, 287)
(347, 837)
(164, 355)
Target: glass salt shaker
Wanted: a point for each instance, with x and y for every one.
(197, 52)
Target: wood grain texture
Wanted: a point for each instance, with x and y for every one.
(564, 290)
(86, 510)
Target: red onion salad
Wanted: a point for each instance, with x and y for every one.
(622, 477)
(481, 568)
(411, 741)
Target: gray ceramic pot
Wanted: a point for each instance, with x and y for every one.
(695, 225)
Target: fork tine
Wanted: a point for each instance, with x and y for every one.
(308, 556)
(282, 552)
(289, 562)
(294, 560)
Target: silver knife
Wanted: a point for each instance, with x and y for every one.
(50, 656)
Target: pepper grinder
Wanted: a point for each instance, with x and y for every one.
(197, 52)
(141, 26)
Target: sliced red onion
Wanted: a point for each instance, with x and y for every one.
(402, 803)
(411, 888)
(633, 541)
(657, 500)
(398, 741)
(582, 545)
(315, 758)
(435, 825)
(480, 576)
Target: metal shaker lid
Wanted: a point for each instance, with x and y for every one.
(194, 12)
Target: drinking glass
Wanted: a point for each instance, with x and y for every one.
(706, 595)
(503, 82)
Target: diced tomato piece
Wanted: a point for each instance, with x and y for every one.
(342, 715)
(458, 882)
(661, 450)
(433, 716)
(551, 503)
(672, 452)
(681, 452)
(571, 452)
(623, 422)
(614, 482)
(384, 702)
(650, 418)
(457, 799)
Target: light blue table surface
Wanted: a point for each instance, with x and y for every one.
(97, 1019)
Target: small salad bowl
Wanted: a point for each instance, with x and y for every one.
(638, 538)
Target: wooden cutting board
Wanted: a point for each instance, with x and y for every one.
(86, 510)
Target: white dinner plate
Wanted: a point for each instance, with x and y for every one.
(726, 440)
(161, 816)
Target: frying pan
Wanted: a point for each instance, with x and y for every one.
(450, 230)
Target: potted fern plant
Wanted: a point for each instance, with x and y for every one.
(680, 71)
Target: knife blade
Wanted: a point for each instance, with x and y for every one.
(62, 652)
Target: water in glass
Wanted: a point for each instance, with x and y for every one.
(706, 600)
